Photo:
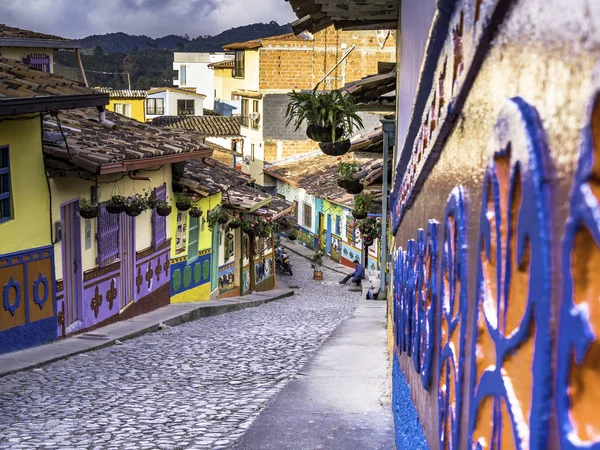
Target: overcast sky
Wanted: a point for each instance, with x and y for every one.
(154, 18)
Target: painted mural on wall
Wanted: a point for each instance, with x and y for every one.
(28, 303)
(336, 248)
(189, 275)
(226, 277)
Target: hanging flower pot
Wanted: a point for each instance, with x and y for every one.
(195, 212)
(292, 235)
(337, 148)
(163, 209)
(133, 210)
(87, 210)
(137, 205)
(223, 218)
(367, 240)
(235, 224)
(116, 204)
(359, 214)
(323, 134)
(353, 186)
(182, 205)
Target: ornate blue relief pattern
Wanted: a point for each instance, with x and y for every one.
(512, 315)
(579, 329)
(453, 314)
(15, 286)
(40, 301)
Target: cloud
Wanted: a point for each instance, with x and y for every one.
(154, 18)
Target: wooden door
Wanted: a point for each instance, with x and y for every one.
(71, 258)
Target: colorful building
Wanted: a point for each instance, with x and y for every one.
(264, 72)
(493, 306)
(169, 101)
(128, 103)
(28, 292)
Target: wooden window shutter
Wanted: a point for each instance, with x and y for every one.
(159, 224)
(107, 237)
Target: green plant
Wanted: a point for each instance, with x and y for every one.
(347, 170)
(183, 202)
(316, 260)
(215, 216)
(292, 234)
(87, 209)
(363, 202)
(163, 208)
(324, 109)
(370, 227)
(137, 204)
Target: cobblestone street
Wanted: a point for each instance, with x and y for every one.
(196, 386)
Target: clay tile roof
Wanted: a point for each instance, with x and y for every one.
(245, 198)
(217, 126)
(276, 209)
(373, 89)
(371, 141)
(227, 64)
(317, 173)
(212, 179)
(122, 93)
(19, 80)
(16, 37)
(258, 43)
(211, 112)
(100, 150)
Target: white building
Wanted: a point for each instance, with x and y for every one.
(167, 101)
(193, 72)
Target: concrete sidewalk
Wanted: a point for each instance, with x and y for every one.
(341, 398)
(296, 247)
(171, 315)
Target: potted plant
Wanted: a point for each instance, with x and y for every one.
(183, 202)
(247, 227)
(116, 204)
(370, 229)
(363, 203)
(87, 209)
(347, 179)
(195, 211)
(331, 118)
(137, 204)
(235, 223)
(217, 215)
(316, 262)
(163, 208)
(151, 200)
(266, 228)
(292, 235)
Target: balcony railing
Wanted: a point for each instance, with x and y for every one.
(185, 112)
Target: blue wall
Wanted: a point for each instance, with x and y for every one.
(186, 276)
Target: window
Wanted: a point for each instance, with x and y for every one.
(123, 108)
(244, 117)
(338, 225)
(4, 185)
(159, 223)
(235, 97)
(185, 107)
(39, 61)
(155, 106)
(252, 152)
(307, 216)
(254, 123)
(182, 75)
(108, 237)
(181, 235)
(194, 236)
(238, 70)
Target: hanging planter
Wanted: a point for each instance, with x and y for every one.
(363, 203)
(235, 223)
(223, 218)
(217, 216)
(330, 115)
(368, 241)
(354, 187)
(151, 200)
(359, 214)
(292, 235)
(195, 212)
(323, 134)
(163, 209)
(247, 227)
(337, 148)
(116, 204)
(137, 205)
(87, 210)
(183, 203)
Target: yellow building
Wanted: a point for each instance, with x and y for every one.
(128, 103)
(28, 313)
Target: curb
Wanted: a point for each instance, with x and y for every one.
(188, 316)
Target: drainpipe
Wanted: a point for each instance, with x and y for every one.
(389, 129)
(80, 65)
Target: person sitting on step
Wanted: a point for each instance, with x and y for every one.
(357, 275)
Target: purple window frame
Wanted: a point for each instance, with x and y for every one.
(107, 237)
(159, 223)
(5, 185)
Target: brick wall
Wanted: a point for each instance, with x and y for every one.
(288, 64)
(289, 149)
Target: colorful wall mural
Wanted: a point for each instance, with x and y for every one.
(495, 212)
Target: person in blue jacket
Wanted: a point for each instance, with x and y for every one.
(357, 275)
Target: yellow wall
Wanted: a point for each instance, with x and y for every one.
(225, 84)
(138, 107)
(30, 204)
(19, 53)
(65, 190)
(197, 294)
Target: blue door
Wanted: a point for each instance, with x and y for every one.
(328, 239)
